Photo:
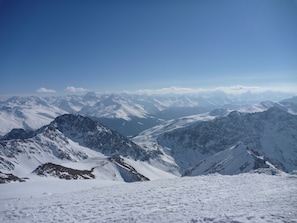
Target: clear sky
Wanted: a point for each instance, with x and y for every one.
(70, 45)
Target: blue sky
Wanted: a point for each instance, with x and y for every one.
(72, 46)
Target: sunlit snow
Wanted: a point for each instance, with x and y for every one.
(213, 198)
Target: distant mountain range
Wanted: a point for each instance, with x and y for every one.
(53, 139)
(128, 114)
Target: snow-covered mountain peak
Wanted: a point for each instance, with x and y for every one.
(76, 123)
(69, 138)
(96, 136)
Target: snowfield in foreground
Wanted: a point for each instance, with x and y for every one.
(214, 198)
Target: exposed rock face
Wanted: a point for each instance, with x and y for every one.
(8, 177)
(127, 171)
(55, 170)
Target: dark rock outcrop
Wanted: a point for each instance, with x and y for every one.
(55, 170)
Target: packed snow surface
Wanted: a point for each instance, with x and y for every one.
(213, 198)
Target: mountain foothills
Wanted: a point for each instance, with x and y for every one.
(184, 135)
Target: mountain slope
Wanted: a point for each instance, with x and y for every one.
(21, 156)
(93, 135)
(67, 140)
(235, 160)
(272, 133)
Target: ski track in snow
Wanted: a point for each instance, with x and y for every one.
(213, 198)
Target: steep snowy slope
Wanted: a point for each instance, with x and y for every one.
(273, 134)
(22, 156)
(235, 160)
(148, 140)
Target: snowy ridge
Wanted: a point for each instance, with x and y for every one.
(289, 105)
